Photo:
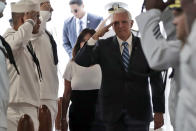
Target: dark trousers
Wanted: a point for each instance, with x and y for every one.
(126, 123)
(84, 111)
(98, 124)
(78, 127)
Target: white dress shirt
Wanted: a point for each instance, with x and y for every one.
(129, 41)
(84, 23)
(4, 89)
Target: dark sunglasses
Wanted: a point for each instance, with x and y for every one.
(74, 11)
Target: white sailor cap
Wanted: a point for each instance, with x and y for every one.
(23, 6)
(42, 1)
(113, 6)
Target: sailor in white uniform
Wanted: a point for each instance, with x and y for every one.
(46, 50)
(4, 83)
(163, 53)
(4, 91)
(24, 88)
(5, 54)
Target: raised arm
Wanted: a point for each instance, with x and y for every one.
(167, 19)
(16, 39)
(157, 49)
(89, 53)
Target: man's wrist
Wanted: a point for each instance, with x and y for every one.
(91, 41)
(95, 37)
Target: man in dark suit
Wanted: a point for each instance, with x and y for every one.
(124, 95)
(74, 25)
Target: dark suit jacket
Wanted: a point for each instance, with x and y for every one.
(120, 89)
(69, 31)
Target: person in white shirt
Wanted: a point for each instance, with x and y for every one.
(81, 88)
(163, 53)
(24, 88)
(5, 54)
(4, 82)
(4, 90)
(46, 50)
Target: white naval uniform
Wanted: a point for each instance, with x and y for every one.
(24, 88)
(161, 53)
(186, 113)
(50, 84)
(4, 91)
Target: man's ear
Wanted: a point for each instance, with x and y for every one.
(131, 23)
(21, 20)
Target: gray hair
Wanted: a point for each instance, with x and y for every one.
(122, 10)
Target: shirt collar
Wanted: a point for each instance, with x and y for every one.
(83, 19)
(129, 40)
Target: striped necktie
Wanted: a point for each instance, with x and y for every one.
(125, 56)
(81, 28)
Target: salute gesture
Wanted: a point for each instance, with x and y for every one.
(31, 15)
(157, 4)
(102, 29)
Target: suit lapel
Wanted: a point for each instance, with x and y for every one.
(134, 45)
(133, 52)
(117, 50)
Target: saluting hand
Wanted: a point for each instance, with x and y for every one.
(158, 4)
(103, 23)
(102, 29)
(31, 15)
